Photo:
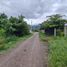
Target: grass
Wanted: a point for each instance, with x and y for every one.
(10, 42)
(57, 56)
(58, 52)
(42, 36)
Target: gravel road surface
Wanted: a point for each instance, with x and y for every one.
(30, 53)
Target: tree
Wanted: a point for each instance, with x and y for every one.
(3, 20)
(14, 25)
(3, 16)
(54, 21)
(17, 26)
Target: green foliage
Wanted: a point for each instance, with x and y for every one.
(53, 21)
(42, 36)
(3, 16)
(17, 26)
(58, 52)
(10, 42)
(3, 20)
(13, 25)
(10, 30)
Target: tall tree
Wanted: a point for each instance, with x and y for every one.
(54, 21)
(3, 20)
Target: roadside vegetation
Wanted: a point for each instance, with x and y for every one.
(12, 30)
(58, 52)
(57, 55)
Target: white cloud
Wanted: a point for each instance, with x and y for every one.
(35, 10)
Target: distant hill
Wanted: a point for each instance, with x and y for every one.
(36, 27)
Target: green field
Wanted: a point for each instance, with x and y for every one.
(57, 56)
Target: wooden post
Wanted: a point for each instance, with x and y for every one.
(54, 32)
(65, 30)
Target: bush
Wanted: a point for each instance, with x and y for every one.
(2, 47)
(11, 38)
(17, 27)
(11, 28)
(14, 25)
(60, 32)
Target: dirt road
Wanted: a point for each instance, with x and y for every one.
(30, 53)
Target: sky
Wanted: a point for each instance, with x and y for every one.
(35, 11)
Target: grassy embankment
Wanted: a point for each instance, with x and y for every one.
(57, 56)
(10, 42)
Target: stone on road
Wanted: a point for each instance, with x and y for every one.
(30, 53)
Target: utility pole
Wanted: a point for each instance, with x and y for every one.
(31, 25)
(65, 30)
(54, 32)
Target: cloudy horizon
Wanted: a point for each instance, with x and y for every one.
(33, 10)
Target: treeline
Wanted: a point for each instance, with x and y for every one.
(13, 25)
(54, 22)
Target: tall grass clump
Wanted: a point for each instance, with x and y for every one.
(57, 52)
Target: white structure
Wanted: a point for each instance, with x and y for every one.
(54, 32)
(65, 29)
